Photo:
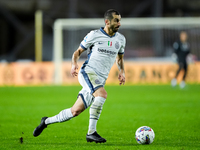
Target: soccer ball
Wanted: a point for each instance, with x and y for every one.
(144, 135)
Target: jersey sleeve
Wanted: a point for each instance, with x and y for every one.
(88, 40)
(123, 44)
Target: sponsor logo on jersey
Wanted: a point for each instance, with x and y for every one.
(107, 51)
(100, 42)
(117, 45)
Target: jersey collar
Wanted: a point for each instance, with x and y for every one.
(101, 29)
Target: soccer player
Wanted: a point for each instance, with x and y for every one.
(181, 51)
(106, 46)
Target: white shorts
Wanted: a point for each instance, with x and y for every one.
(90, 82)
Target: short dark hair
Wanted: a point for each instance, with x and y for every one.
(109, 14)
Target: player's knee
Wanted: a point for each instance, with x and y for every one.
(101, 92)
(104, 94)
(76, 111)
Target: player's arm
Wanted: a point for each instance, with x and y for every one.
(190, 58)
(120, 65)
(174, 54)
(75, 58)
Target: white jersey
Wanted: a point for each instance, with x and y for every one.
(103, 50)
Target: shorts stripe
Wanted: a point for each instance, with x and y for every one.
(88, 81)
(94, 118)
(83, 100)
(98, 87)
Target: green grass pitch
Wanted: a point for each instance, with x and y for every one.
(173, 114)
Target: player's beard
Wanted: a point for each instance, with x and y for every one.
(114, 29)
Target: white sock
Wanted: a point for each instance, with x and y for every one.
(174, 82)
(64, 115)
(95, 111)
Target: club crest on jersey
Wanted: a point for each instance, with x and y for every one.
(117, 45)
(109, 43)
(97, 81)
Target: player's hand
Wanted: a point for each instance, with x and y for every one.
(121, 78)
(74, 70)
(174, 57)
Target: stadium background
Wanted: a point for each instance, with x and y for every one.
(173, 113)
(146, 62)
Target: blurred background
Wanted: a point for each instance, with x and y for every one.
(18, 22)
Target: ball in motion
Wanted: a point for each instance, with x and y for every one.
(144, 135)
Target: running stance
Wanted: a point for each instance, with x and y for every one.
(181, 51)
(104, 46)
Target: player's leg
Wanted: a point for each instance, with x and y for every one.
(174, 80)
(93, 83)
(83, 101)
(67, 114)
(182, 84)
(185, 67)
(95, 111)
(179, 69)
(64, 115)
(96, 108)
